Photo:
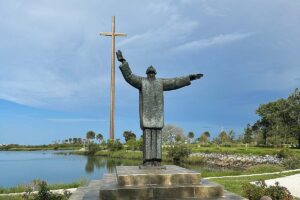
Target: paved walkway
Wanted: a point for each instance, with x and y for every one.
(247, 175)
(292, 183)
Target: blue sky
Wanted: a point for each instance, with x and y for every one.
(55, 68)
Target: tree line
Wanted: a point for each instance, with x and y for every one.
(278, 124)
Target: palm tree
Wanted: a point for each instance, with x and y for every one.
(99, 137)
(90, 135)
(204, 137)
(207, 134)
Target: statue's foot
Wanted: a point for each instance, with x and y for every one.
(148, 163)
(157, 163)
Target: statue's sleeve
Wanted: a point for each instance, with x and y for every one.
(134, 80)
(175, 83)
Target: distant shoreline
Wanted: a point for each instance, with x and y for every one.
(16, 147)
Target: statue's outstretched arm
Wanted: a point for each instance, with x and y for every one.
(134, 80)
(175, 83)
(179, 82)
(195, 76)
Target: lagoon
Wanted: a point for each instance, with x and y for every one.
(21, 167)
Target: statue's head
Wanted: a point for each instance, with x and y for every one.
(151, 72)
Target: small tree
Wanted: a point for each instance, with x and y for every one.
(191, 136)
(248, 134)
(231, 135)
(203, 139)
(170, 132)
(223, 137)
(99, 137)
(128, 135)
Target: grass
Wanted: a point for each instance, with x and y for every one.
(23, 187)
(216, 172)
(132, 155)
(15, 197)
(235, 184)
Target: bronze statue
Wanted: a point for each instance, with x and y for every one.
(152, 106)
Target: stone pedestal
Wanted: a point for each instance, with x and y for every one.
(132, 183)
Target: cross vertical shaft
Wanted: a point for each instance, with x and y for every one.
(113, 34)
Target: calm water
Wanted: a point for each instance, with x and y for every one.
(23, 167)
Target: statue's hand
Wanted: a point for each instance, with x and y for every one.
(120, 56)
(195, 76)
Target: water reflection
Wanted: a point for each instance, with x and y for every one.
(94, 163)
(97, 162)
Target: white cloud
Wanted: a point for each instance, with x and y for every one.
(173, 26)
(174, 30)
(213, 41)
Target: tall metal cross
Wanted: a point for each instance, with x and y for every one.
(113, 34)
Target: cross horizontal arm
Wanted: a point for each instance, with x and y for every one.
(106, 33)
(112, 34)
(120, 34)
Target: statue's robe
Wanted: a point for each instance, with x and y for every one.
(151, 107)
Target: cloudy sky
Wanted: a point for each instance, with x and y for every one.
(55, 68)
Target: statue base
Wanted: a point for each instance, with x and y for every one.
(173, 182)
(145, 167)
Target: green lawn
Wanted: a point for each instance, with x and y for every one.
(17, 197)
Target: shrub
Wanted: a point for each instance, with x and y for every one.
(114, 145)
(284, 153)
(45, 194)
(132, 144)
(292, 162)
(255, 192)
(278, 192)
(92, 148)
(264, 168)
(178, 152)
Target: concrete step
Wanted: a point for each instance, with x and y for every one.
(111, 190)
(90, 192)
(169, 175)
